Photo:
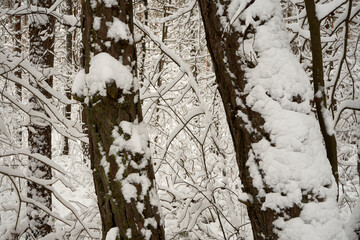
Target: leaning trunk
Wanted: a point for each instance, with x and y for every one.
(266, 96)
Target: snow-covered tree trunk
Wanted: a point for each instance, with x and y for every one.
(266, 94)
(119, 146)
(41, 33)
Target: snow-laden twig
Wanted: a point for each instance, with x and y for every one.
(11, 173)
(68, 20)
(188, 8)
(36, 156)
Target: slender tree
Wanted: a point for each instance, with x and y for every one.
(319, 87)
(119, 148)
(69, 54)
(17, 48)
(41, 33)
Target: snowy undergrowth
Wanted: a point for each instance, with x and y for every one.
(82, 198)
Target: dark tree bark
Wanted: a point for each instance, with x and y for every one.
(41, 31)
(17, 49)
(138, 216)
(69, 53)
(319, 86)
(221, 46)
(247, 125)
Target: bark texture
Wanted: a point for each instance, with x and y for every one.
(224, 39)
(69, 53)
(319, 86)
(135, 218)
(223, 45)
(41, 31)
(17, 49)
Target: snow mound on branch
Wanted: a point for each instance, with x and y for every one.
(104, 69)
(292, 162)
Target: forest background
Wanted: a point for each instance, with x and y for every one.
(192, 148)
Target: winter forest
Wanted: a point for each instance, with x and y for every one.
(179, 119)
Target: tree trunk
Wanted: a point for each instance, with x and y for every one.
(248, 83)
(123, 177)
(319, 87)
(69, 53)
(41, 31)
(17, 49)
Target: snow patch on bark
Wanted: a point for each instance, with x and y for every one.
(112, 233)
(119, 31)
(104, 69)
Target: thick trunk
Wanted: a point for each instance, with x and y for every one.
(240, 53)
(222, 47)
(41, 32)
(123, 178)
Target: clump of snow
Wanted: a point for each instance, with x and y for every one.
(129, 191)
(146, 233)
(112, 233)
(104, 69)
(110, 3)
(103, 162)
(119, 30)
(150, 221)
(96, 24)
(134, 138)
(138, 138)
(128, 233)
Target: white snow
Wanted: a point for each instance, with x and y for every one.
(293, 161)
(104, 69)
(112, 233)
(354, 223)
(119, 30)
(128, 233)
(138, 141)
(96, 24)
(110, 3)
(324, 9)
(129, 191)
